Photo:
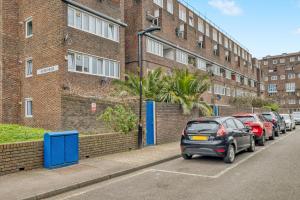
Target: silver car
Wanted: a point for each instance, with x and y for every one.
(296, 116)
(289, 121)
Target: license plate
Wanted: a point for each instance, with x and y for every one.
(199, 138)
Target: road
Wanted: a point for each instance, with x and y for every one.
(272, 172)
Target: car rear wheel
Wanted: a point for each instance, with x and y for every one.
(262, 141)
(252, 145)
(187, 156)
(273, 135)
(230, 155)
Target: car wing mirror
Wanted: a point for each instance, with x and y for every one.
(247, 129)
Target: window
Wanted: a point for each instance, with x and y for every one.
(266, 78)
(181, 57)
(230, 124)
(245, 81)
(93, 65)
(282, 77)
(282, 60)
(170, 6)
(298, 58)
(239, 124)
(228, 74)
(182, 13)
(292, 101)
(28, 68)
(226, 42)
(216, 70)
(291, 76)
(228, 91)
(290, 87)
(219, 89)
(28, 107)
(275, 62)
(238, 78)
(191, 18)
(89, 23)
(265, 62)
(273, 78)
(200, 25)
(154, 47)
(28, 25)
(201, 64)
(292, 59)
(215, 35)
(220, 39)
(235, 48)
(272, 88)
(159, 3)
(207, 33)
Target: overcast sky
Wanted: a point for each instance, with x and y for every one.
(265, 27)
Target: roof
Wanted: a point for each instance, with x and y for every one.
(244, 114)
(214, 118)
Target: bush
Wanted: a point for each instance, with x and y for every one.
(119, 118)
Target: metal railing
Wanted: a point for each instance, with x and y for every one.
(186, 4)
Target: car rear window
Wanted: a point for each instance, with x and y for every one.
(296, 114)
(246, 118)
(268, 116)
(286, 116)
(200, 126)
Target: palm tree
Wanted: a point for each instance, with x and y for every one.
(186, 88)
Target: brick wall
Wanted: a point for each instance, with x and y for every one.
(29, 155)
(170, 122)
(20, 156)
(230, 110)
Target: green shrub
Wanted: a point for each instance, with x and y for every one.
(119, 118)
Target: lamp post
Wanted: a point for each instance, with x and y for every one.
(140, 59)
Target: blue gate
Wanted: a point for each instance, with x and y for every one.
(216, 110)
(150, 123)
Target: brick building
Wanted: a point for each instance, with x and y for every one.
(51, 47)
(189, 40)
(282, 78)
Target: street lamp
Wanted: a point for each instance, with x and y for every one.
(140, 57)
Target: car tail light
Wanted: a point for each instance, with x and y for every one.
(257, 129)
(274, 121)
(221, 150)
(221, 132)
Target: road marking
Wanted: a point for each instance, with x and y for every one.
(228, 168)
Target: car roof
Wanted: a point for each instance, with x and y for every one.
(244, 115)
(218, 119)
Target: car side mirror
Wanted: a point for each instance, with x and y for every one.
(247, 129)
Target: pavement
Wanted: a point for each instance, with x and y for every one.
(43, 183)
(271, 172)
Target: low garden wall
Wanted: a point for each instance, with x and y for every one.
(30, 155)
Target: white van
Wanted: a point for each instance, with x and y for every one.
(296, 116)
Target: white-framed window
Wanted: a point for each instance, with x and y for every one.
(191, 18)
(291, 75)
(201, 64)
(228, 91)
(282, 77)
(228, 74)
(87, 22)
(238, 78)
(252, 83)
(275, 62)
(200, 25)
(272, 88)
(159, 3)
(235, 48)
(290, 87)
(216, 70)
(93, 65)
(274, 78)
(28, 67)
(245, 81)
(170, 7)
(266, 62)
(215, 35)
(266, 78)
(207, 32)
(282, 60)
(292, 101)
(226, 42)
(155, 47)
(28, 27)
(28, 108)
(182, 13)
(292, 59)
(219, 89)
(181, 57)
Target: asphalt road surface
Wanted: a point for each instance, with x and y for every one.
(270, 173)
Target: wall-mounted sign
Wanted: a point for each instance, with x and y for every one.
(47, 70)
(93, 107)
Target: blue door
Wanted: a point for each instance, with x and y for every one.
(150, 123)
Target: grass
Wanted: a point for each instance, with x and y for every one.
(11, 133)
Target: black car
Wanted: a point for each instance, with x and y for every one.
(277, 120)
(216, 136)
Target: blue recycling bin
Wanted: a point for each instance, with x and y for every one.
(60, 149)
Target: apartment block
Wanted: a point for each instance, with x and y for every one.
(50, 48)
(189, 40)
(282, 78)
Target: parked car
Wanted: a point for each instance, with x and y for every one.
(277, 121)
(293, 122)
(216, 136)
(296, 116)
(289, 121)
(261, 127)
